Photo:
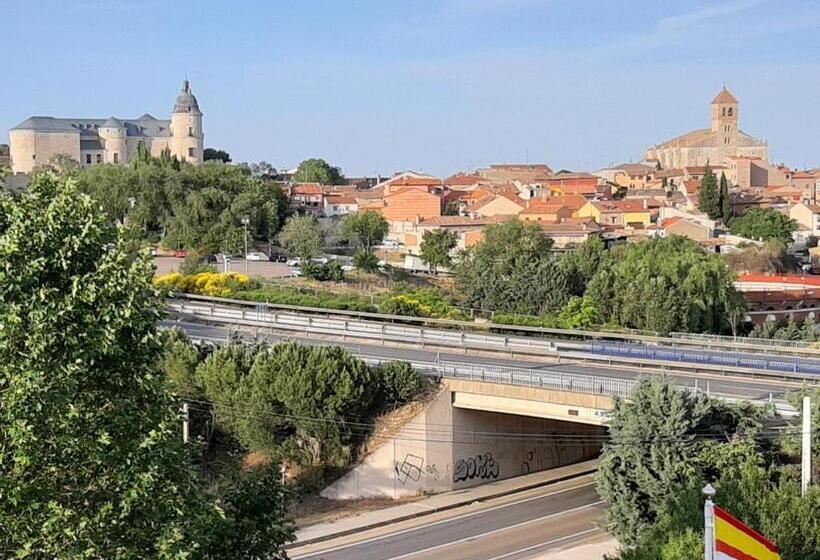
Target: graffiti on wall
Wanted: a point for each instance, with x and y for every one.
(482, 466)
(528, 463)
(409, 469)
(432, 471)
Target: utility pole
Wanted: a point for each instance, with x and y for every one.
(184, 422)
(245, 224)
(708, 523)
(805, 479)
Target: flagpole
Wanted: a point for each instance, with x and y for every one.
(805, 478)
(708, 523)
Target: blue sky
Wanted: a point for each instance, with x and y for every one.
(378, 86)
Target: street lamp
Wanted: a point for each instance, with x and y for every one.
(245, 222)
(709, 523)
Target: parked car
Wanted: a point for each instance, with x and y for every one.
(348, 268)
(282, 258)
(320, 260)
(180, 253)
(256, 256)
(295, 261)
(295, 272)
(210, 259)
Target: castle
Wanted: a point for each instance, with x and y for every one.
(723, 139)
(37, 140)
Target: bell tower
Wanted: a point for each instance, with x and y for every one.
(725, 115)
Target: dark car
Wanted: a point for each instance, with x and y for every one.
(210, 259)
(282, 258)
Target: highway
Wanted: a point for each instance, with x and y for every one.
(518, 527)
(733, 387)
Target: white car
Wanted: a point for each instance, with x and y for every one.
(256, 256)
(320, 260)
(295, 273)
(348, 268)
(295, 261)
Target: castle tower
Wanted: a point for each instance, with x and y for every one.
(113, 136)
(724, 115)
(187, 138)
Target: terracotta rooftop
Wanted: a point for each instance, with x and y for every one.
(461, 221)
(724, 97)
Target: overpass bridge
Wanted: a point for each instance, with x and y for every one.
(508, 405)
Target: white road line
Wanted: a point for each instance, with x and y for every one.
(496, 531)
(553, 541)
(448, 520)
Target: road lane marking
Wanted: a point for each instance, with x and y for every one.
(496, 531)
(447, 520)
(553, 541)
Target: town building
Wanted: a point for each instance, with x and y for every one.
(714, 144)
(37, 140)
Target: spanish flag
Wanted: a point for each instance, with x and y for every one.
(736, 541)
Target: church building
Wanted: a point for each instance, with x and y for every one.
(714, 144)
(90, 142)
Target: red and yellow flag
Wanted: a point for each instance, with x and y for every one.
(736, 541)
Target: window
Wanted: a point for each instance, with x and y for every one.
(88, 159)
(724, 111)
(99, 158)
(191, 152)
(190, 131)
(116, 157)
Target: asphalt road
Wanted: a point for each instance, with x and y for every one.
(724, 386)
(553, 518)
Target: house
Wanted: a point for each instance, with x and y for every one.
(468, 231)
(572, 201)
(629, 175)
(339, 204)
(687, 228)
(306, 197)
(568, 182)
(618, 213)
(571, 232)
(410, 204)
(807, 215)
(463, 182)
(497, 204)
(545, 212)
(524, 172)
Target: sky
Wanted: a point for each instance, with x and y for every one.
(386, 85)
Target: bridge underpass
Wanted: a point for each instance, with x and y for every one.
(473, 432)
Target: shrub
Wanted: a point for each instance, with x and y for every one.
(194, 263)
(547, 322)
(217, 284)
(365, 260)
(331, 271)
(399, 382)
(407, 305)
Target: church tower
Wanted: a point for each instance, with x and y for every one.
(187, 138)
(724, 116)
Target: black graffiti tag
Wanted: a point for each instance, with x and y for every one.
(482, 466)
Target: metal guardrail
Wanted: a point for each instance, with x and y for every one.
(678, 339)
(743, 340)
(760, 362)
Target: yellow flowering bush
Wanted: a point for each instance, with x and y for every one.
(217, 284)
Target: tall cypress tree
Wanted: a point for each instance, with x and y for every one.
(725, 201)
(709, 199)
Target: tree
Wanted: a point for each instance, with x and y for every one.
(213, 154)
(709, 196)
(512, 271)
(262, 170)
(301, 237)
(582, 262)
(91, 461)
(4, 150)
(317, 170)
(436, 245)
(579, 313)
(764, 224)
(664, 285)
(367, 229)
(725, 200)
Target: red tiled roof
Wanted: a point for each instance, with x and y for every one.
(307, 188)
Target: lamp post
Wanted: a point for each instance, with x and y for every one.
(708, 523)
(245, 222)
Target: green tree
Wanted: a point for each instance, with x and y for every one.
(764, 224)
(179, 361)
(301, 237)
(213, 154)
(725, 200)
(709, 196)
(436, 245)
(91, 461)
(512, 271)
(579, 313)
(366, 229)
(582, 262)
(664, 285)
(317, 170)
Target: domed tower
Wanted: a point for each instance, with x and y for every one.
(187, 138)
(113, 135)
(724, 115)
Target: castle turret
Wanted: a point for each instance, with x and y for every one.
(113, 135)
(187, 138)
(725, 115)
